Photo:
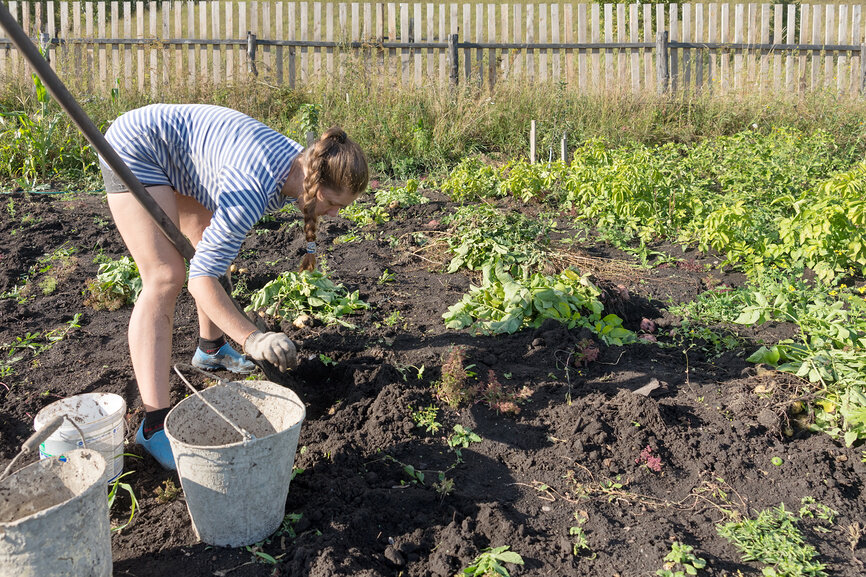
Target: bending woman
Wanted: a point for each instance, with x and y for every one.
(215, 172)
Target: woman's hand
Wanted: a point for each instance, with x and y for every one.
(275, 348)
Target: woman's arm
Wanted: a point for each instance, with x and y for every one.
(216, 304)
(275, 348)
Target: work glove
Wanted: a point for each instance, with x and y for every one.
(275, 348)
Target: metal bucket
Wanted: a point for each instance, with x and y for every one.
(54, 518)
(234, 445)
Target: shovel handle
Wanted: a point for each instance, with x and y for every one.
(38, 438)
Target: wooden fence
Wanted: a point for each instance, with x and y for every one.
(723, 48)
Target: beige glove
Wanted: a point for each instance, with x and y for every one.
(275, 348)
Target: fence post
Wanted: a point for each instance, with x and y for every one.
(662, 66)
(45, 45)
(452, 59)
(251, 54)
(862, 69)
(563, 150)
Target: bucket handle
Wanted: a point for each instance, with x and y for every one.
(246, 435)
(236, 384)
(38, 438)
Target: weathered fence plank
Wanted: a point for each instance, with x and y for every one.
(712, 47)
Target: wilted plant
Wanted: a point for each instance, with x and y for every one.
(652, 462)
(585, 352)
(453, 388)
(167, 492)
(501, 399)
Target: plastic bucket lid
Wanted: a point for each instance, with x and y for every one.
(100, 416)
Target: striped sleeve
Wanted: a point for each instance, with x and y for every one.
(242, 202)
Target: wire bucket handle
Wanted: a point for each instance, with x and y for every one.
(38, 438)
(243, 432)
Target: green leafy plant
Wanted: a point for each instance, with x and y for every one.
(310, 292)
(580, 544)
(773, 538)
(117, 283)
(505, 304)
(386, 277)
(287, 527)
(471, 180)
(363, 215)
(481, 236)
(393, 319)
(461, 438)
(490, 562)
(308, 118)
(829, 351)
(812, 509)
(681, 561)
(408, 195)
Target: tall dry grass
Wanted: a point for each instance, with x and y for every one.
(414, 130)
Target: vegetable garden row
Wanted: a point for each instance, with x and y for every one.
(650, 360)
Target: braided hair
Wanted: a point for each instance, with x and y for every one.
(336, 162)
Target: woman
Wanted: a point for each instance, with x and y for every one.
(215, 172)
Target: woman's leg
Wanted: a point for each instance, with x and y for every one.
(162, 273)
(194, 218)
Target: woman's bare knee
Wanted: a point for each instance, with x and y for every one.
(164, 280)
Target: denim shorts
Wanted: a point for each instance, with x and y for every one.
(113, 184)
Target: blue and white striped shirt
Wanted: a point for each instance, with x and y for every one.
(234, 165)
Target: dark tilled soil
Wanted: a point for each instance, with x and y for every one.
(566, 460)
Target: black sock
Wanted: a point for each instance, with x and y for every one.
(154, 421)
(210, 347)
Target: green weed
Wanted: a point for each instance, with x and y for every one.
(681, 561)
(426, 418)
(490, 562)
(127, 488)
(461, 438)
(772, 538)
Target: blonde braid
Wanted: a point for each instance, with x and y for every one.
(333, 161)
(312, 180)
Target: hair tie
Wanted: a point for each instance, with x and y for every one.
(311, 247)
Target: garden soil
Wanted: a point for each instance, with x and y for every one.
(570, 458)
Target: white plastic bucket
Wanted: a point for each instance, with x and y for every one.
(100, 416)
(54, 519)
(236, 489)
